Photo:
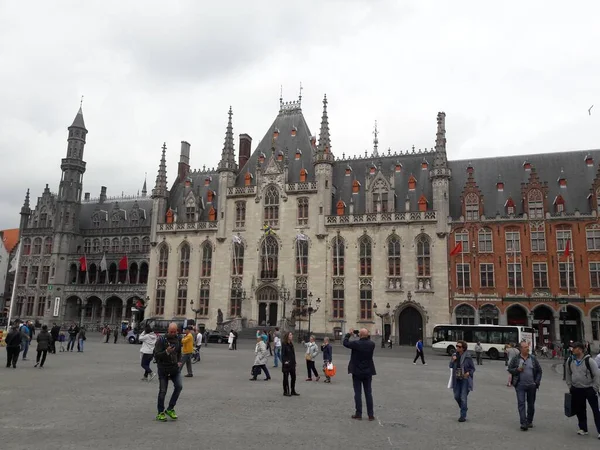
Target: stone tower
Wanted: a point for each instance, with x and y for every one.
(159, 196)
(25, 214)
(323, 161)
(227, 170)
(440, 177)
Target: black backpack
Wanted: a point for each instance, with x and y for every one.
(586, 358)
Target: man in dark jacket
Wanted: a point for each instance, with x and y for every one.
(526, 378)
(13, 346)
(43, 340)
(54, 332)
(362, 368)
(167, 353)
(73, 332)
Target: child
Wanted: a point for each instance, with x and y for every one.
(62, 338)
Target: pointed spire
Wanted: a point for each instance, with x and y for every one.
(78, 121)
(440, 159)
(144, 189)
(324, 138)
(375, 142)
(160, 188)
(227, 162)
(26, 206)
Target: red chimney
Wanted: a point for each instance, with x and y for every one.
(245, 150)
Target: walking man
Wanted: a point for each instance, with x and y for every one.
(25, 339)
(479, 353)
(43, 340)
(277, 342)
(462, 377)
(187, 350)
(13, 346)
(167, 353)
(73, 332)
(362, 368)
(526, 378)
(420, 353)
(54, 333)
(583, 379)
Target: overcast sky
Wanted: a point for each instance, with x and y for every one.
(517, 77)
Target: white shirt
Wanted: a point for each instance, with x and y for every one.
(148, 342)
(277, 341)
(199, 340)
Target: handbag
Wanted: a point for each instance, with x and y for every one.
(330, 370)
(308, 357)
(569, 405)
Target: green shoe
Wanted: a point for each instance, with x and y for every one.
(161, 417)
(171, 414)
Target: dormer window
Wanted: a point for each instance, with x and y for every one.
(298, 154)
(470, 169)
(116, 218)
(294, 131)
(500, 186)
(412, 183)
(372, 170)
(424, 165)
(169, 216)
(210, 195)
(207, 181)
(280, 156)
(348, 170)
(303, 175)
(212, 214)
(559, 204)
(96, 221)
(423, 203)
(562, 181)
(472, 206)
(355, 187)
(276, 133)
(510, 207)
(527, 166)
(247, 179)
(398, 167)
(589, 161)
(188, 182)
(261, 158)
(535, 204)
(341, 208)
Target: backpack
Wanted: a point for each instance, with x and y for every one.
(586, 358)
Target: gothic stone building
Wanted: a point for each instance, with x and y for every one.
(288, 233)
(64, 240)
(530, 237)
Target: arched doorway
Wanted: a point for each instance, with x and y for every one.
(72, 306)
(543, 323)
(570, 325)
(267, 306)
(93, 310)
(114, 310)
(410, 326)
(516, 315)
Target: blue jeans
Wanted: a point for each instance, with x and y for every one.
(363, 382)
(526, 393)
(80, 345)
(24, 347)
(163, 379)
(277, 356)
(461, 391)
(71, 343)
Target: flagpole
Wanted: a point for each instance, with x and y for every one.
(462, 265)
(515, 264)
(568, 271)
(16, 280)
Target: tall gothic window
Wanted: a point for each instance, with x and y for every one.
(380, 197)
(240, 214)
(163, 261)
(271, 214)
(462, 237)
(181, 300)
(303, 211)
(106, 245)
(87, 246)
(338, 301)
(135, 245)
(301, 256)
(206, 260)
(365, 256)
(513, 241)
(184, 261)
(238, 259)
(126, 245)
(535, 204)
(115, 245)
(394, 256)
(146, 244)
(96, 246)
(423, 262)
(338, 256)
(37, 246)
(26, 246)
(203, 299)
(472, 206)
(269, 258)
(159, 309)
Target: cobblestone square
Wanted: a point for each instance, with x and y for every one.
(95, 400)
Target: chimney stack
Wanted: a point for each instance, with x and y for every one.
(86, 196)
(184, 161)
(245, 150)
(102, 194)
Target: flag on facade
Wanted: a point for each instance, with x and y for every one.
(15, 260)
(236, 239)
(568, 249)
(123, 264)
(302, 237)
(268, 230)
(83, 264)
(103, 265)
(457, 249)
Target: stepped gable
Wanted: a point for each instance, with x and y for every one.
(512, 172)
(289, 121)
(411, 164)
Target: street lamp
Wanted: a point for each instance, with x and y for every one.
(195, 311)
(239, 296)
(312, 310)
(383, 315)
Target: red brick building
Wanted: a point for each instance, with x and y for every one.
(529, 236)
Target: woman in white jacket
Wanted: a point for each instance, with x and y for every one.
(230, 340)
(312, 350)
(148, 340)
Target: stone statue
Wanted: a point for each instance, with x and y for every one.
(219, 316)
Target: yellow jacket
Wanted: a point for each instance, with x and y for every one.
(187, 343)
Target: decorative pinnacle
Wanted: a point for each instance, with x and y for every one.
(160, 187)
(228, 154)
(26, 202)
(375, 141)
(324, 138)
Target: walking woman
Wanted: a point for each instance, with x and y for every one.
(260, 360)
(312, 350)
(288, 366)
(327, 357)
(148, 340)
(43, 344)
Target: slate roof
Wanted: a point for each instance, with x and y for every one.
(198, 178)
(286, 120)
(510, 169)
(78, 121)
(89, 208)
(411, 165)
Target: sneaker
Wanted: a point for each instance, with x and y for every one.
(36, 364)
(524, 428)
(161, 417)
(308, 379)
(414, 364)
(529, 425)
(318, 378)
(189, 375)
(151, 377)
(599, 436)
(425, 364)
(582, 433)
(143, 379)
(171, 414)
(462, 419)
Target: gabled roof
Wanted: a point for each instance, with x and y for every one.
(10, 238)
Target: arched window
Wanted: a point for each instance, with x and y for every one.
(135, 245)
(47, 246)
(365, 256)
(112, 274)
(472, 206)
(484, 240)
(73, 273)
(271, 215)
(26, 246)
(595, 314)
(303, 211)
(465, 315)
(115, 245)
(379, 194)
(146, 244)
(87, 246)
(190, 210)
(238, 259)
(488, 315)
(206, 268)
(535, 204)
(126, 245)
(96, 246)
(163, 261)
(43, 218)
(184, 261)
(37, 246)
(394, 263)
(106, 245)
(338, 249)
(423, 263)
(92, 274)
(240, 214)
(133, 273)
(143, 279)
(301, 255)
(462, 237)
(269, 258)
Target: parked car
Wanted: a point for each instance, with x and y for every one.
(217, 337)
